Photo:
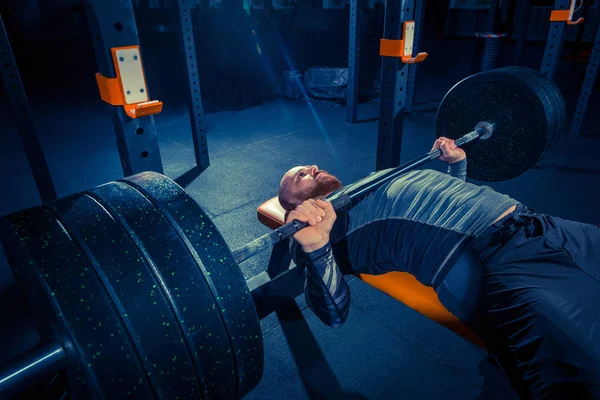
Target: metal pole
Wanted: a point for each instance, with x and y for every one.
(188, 49)
(554, 43)
(42, 361)
(353, 60)
(588, 86)
(419, 17)
(394, 81)
(361, 191)
(24, 119)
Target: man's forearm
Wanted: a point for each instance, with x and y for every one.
(326, 291)
(458, 169)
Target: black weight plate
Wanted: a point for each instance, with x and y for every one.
(559, 110)
(182, 282)
(518, 111)
(540, 85)
(135, 292)
(48, 319)
(55, 272)
(556, 103)
(558, 107)
(225, 278)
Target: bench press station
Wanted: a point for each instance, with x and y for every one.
(133, 279)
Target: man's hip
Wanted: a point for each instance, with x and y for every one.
(539, 303)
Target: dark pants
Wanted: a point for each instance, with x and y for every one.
(539, 308)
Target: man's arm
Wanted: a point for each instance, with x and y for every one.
(325, 290)
(458, 169)
(454, 156)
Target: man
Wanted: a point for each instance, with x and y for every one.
(528, 284)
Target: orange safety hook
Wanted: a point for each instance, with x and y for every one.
(402, 48)
(565, 15)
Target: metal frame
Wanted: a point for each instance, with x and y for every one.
(394, 81)
(112, 24)
(419, 17)
(268, 291)
(184, 21)
(353, 60)
(587, 87)
(17, 97)
(554, 43)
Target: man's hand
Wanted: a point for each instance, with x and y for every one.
(321, 216)
(450, 153)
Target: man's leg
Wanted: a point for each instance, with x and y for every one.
(540, 307)
(581, 241)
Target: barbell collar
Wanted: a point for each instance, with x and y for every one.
(485, 129)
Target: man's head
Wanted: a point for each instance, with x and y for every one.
(303, 183)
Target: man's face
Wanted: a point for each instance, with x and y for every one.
(306, 182)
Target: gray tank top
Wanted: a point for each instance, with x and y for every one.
(420, 223)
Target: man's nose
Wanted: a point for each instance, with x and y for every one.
(314, 169)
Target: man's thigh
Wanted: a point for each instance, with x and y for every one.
(581, 241)
(541, 311)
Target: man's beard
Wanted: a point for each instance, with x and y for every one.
(324, 186)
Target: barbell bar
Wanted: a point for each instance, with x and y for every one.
(136, 293)
(482, 130)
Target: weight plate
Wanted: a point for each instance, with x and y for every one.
(136, 294)
(521, 115)
(224, 276)
(48, 319)
(556, 103)
(559, 110)
(540, 85)
(67, 297)
(182, 282)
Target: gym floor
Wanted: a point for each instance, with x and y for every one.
(385, 350)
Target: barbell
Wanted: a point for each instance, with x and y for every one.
(518, 113)
(136, 293)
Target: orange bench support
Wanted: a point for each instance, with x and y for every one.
(400, 285)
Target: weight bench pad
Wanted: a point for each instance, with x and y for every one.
(400, 285)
